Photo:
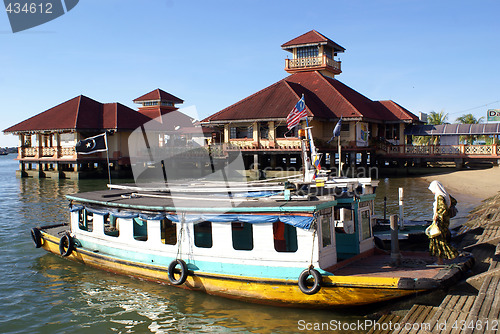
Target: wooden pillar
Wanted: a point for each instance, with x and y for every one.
(272, 134)
(256, 134)
(227, 132)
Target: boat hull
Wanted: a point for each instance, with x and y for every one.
(335, 291)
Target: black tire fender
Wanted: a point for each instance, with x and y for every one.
(183, 272)
(36, 235)
(66, 245)
(304, 275)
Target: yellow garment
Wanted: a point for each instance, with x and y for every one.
(439, 245)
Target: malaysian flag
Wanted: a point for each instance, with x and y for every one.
(298, 112)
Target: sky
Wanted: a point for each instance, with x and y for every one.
(426, 55)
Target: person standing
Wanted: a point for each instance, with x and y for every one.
(439, 245)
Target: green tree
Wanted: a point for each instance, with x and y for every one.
(436, 118)
(469, 119)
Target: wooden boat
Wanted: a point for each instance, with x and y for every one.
(315, 252)
(303, 242)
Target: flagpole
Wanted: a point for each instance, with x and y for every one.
(340, 159)
(107, 155)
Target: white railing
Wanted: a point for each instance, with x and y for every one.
(312, 62)
(417, 149)
(48, 151)
(443, 149)
(67, 151)
(30, 151)
(451, 149)
(479, 149)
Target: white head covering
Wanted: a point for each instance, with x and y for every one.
(438, 190)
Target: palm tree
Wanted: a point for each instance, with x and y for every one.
(469, 119)
(436, 118)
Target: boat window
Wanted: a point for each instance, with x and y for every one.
(85, 220)
(285, 237)
(168, 232)
(140, 229)
(343, 220)
(203, 235)
(242, 236)
(365, 224)
(326, 231)
(342, 213)
(111, 225)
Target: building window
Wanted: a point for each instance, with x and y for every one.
(168, 232)
(167, 103)
(242, 236)
(241, 132)
(283, 132)
(85, 220)
(203, 235)
(391, 131)
(307, 52)
(150, 103)
(264, 131)
(285, 237)
(27, 141)
(140, 229)
(111, 226)
(328, 52)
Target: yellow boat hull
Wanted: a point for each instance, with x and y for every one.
(336, 291)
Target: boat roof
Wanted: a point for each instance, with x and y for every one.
(161, 201)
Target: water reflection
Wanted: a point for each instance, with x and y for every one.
(417, 199)
(99, 301)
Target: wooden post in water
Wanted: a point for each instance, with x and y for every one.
(395, 254)
(401, 209)
(385, 208)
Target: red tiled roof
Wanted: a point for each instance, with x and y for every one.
(158, 94)
(83, 113)
(325, 98)
(312, 37)
(399, 112)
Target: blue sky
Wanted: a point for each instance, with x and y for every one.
(425, 55)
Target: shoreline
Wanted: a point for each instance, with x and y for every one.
(469, 187)
(479, 183)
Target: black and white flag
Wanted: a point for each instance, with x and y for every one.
(92, 144)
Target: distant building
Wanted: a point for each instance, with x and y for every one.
(257, 124)
(47, 140)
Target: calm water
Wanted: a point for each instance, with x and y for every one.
(43, 293)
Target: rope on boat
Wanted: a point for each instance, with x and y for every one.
(312, 250)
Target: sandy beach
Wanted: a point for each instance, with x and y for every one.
(480, 184)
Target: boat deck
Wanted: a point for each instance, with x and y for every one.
(413, 265)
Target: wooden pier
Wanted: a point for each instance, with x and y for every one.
(473, 306)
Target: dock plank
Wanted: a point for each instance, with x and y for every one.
(468, 303)
(385, 319)
(493, 311)
(480, 297)
(490, 293)
(410, 318)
